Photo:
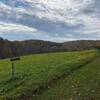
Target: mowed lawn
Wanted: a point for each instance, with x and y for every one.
(34, 72)
(82, 84)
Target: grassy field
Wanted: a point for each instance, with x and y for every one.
(34, 73)
(82, 84)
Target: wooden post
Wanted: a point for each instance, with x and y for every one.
(13, 71)
(7, 73)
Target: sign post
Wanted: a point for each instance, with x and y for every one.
(13, 71)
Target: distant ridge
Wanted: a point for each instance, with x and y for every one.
(18, 48)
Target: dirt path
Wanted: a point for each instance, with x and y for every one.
(53, 83)
(82, 84)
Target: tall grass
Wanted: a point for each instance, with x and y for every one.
(35, 71)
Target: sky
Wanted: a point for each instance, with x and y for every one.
(51, 20)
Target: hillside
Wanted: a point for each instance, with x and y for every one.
(35, 73)
(82, 84)
(19, 48)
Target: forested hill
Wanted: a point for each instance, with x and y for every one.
(18, 48)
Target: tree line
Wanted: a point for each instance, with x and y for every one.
(19, 48)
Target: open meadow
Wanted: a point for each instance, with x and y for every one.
(52, 75)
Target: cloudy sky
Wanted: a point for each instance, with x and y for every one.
(53, 20)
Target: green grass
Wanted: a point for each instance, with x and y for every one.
(82, 84)
(34, 72)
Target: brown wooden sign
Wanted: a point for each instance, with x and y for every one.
(13, 71)
(15, 58)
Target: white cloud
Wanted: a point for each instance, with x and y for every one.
(80, 13)
(8, 27)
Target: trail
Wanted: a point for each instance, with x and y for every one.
(82, 84)
(53, 83)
